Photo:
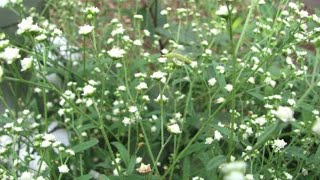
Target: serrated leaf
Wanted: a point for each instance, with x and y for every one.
(85, 145)
(123, 152)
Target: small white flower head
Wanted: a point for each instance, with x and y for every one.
(63, 169)
(209, 140)
(161, 98)
(10, 54)
(126, 121)
(133, 109)
(260, 120)
(158, 75)
(70, 152)
(26, 176)
(251, 80)
(153, 128)
(138, 17)
(291, 102)
(212, 81)
(1, 72)
(222, 11)
(284, 113)
(116, 53)
(234, 175)
(174, 129)
(142, 86)
(144, 169)
(41, 37)
(25, 25)
(279, 144)
(220, 100)
(229, 87)
(85, 29)
(88, 90)
(217, 135)
(316, 127)
(92, 10)
(163, 12)
(236, 166)
(137, 42)
(26, 63)
(138, 160)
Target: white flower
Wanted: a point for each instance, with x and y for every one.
(158, 75)
(249, 177)
(222, 11)
(25, 25)
(174, 128)
(279, 144)
(270, 82)
(160, 98)
(234, 175)
(3, 3)
(85, 29)
(316, 127)
(26, 176)
(209, 140)
(137, 42)
(142, 86)
(284, 113)
(126, 121)
(260, 120)
(138, 16)
(116, 53)
(1, 72)
(10, 54)
(217, 135)
(212, 81)
(26, 63)
(91, 10)
(251, 80)
(45, 144)
(88, 90)
(292, 102)
(238, 166)
(63, 169)
(163, 12)
(4, 43)
(70, 152)
(144, 168)
(288, 176)
(138, 160)
(133, 109)
(220, 100)
(229, 87)
(41, 37)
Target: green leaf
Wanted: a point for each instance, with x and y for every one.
(267, 134)
(85, 145)
(215, 162)
(123, 152)
(194, 148)
(84, 177)
(131, 164)
(186, 168)
(86, 127)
